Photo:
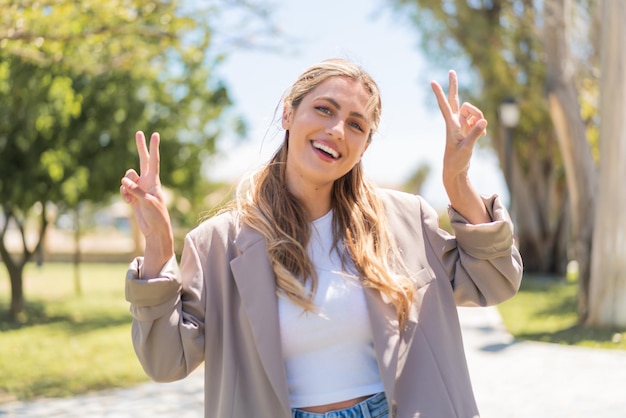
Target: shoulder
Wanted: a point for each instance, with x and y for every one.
(222, 227)
(226, 230)
(408, 212)
(395, 196)
(399, 201)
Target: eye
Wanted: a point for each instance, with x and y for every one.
(323, 109)
(357, 126)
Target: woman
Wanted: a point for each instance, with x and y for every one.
(317, 292)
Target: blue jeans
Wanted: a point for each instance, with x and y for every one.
(373, 407)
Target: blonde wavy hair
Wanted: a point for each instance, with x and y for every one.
(359, 222)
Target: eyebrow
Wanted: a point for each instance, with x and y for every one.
(338, 106)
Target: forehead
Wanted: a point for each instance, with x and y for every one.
(346, 92)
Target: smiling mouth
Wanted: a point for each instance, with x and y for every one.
(326, 149)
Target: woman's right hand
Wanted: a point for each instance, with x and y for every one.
(144, 193)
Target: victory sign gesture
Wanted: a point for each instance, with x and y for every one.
(144, 193)
(464, 125)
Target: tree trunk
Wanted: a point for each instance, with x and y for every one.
(540, 213)
(500, 40)
(607, 302)
(576, 152)
(78, 289)
(18, 303)
(15, 270)
(14, 267)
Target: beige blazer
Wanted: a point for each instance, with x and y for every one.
(220, 307)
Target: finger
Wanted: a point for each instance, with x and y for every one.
(469, 109)
(469, 115)
(125, 195)
(155, 158)
(132, 175)
(441, 100)
(144, 157)
(476, 131)
(132, 189)
(453, 91)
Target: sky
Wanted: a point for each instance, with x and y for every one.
(412, 130)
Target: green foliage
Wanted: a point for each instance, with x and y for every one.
(69, 117)
(499, 43)
(77, 79)
(73, 94)
(66, 344)
(92, 36)
(589, 99)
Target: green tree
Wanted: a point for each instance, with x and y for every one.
(76, 80)
(27, 172)
(563, 95)
(501, 42)
(91, 36)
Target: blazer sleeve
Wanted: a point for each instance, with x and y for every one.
(168, 316)
(481, 260)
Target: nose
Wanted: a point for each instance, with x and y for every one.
(336, 128)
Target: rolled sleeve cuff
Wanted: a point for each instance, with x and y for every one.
(486, 240)
(154, 292)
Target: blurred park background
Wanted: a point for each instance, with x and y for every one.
(78, 78)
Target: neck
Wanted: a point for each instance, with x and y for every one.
(317, 209)
(315, 198)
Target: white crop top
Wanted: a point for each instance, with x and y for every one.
(329, 354)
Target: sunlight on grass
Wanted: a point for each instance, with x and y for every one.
(545, 310)
(67, 344)
(71, 344)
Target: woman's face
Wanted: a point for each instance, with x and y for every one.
(328, 133)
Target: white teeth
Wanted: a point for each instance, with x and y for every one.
(326, 149)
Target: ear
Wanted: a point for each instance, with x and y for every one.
(287, 114)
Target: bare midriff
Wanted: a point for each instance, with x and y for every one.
(322, 409)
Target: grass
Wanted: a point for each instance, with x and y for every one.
(67, 344)
(545, 310)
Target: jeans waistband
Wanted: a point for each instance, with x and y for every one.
(373, 407)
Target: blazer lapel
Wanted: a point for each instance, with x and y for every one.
(386, 338)
(256, 284)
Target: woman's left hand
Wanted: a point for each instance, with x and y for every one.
(464, 125)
